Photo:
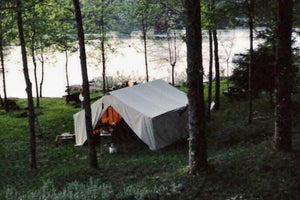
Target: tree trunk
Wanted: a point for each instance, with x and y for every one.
(1, 101)
(251, 16)
(173, 74)
(103, 64)
(217, 70)
(34, 63)
(103, 51)
(42, 78)
(217, 65)
(144, 30)
(93, 162)
(67, 74)
(172, 54)
(197, 140)
(284, 76)
(31, 114)
(35, 77)
(5, 103)
(209, 90)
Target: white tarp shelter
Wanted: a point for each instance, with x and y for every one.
(154, 111)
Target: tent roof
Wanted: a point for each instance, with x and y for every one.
(153, 98)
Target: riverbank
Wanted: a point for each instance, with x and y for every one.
(243, 163)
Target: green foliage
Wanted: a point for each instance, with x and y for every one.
(61, 18)
(263, 70)
(99, 16)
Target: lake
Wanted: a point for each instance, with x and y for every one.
(125, 60)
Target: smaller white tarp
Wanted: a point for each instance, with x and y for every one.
(154, 111)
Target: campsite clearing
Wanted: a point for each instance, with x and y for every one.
(241, 157)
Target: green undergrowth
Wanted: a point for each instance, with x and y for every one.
(243, 163)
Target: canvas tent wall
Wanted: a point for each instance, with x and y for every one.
(154, 111)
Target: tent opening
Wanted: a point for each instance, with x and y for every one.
(112, 125)
(110, 116)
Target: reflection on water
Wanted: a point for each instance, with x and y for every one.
(125, 59)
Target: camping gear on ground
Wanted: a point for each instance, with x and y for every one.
(152, 110)
(64, 137)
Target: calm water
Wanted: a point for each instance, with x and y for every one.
(125, 60)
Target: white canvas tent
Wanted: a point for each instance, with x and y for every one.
(154, 111)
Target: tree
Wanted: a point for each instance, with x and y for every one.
(30, 33)
(173, 51)
(284, 76)
(227, 47)
(99, 16)
(5, 102)
(93, 163)
(7, 34)
(251, 16)
(208, 23)
(45, 11)
(143, 12)
(263, 76)
(62, 34)
(197, 140)
(217, 64)
(209, 90)
(31, 114)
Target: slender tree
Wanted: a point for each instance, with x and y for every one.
(31, 114)
(173, 52)
(251, 16)
(284, 76)
(209, 90)
(197, 140)
(217, 64)
(100, 19)
(7, 35)
(61, 36)
(93, 163)
(102, 40)
(33, 51)
(42, 61)
(5, 102)
(143, 7)
(144, 32)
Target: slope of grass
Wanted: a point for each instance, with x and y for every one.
(243, 162)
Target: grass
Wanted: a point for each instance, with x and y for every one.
(243, 162)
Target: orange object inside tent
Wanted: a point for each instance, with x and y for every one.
(110, 116)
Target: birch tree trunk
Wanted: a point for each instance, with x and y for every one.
(92, 154)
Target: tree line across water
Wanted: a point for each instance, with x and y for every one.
(43, 24)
